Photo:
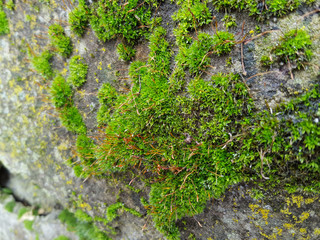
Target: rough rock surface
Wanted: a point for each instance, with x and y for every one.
(34, 147)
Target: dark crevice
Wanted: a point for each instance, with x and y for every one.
(4, 176)
(4, 180)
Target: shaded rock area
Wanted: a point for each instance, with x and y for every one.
(35, 148)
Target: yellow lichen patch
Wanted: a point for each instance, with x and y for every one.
(253, 207)
(64, 72)
(264, 213)
(82, 93)
(85, 205)
(15, 69)
(69, 182)
(33, 21)
(99, 66)
(17, 89)
(270, 237)
(298, 200)
(279, 231)
(19, 25)
(63, 177)
(310, 200)
(53, 4)
(303, 230)
(286, 211)
(63, 146)
(288, 225)
(316, 231)
(303, 217)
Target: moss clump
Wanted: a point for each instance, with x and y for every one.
(61, 93)
(83, 226)
(10, 206)
(85, 148)
(22, 211)
(126, 53)
(79, 18)
(191, 15)
(229, 21)
(294, 46)
(62, 238)
(4, 24)
(28, 224)
(259, 9)
(78, 71)
(113, 18)
(112, 211)
(41, 64)
(59, 40)
(196, 56)
(71, 118)
(107, 96)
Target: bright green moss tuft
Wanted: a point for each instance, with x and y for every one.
(22, 211)
(126, 53)
(83, 226)
(71, 118)
(107, 96)
(196, 56)
(294, 46)
(261, 9)
(4, 24)
(79, 18)
(112, 18)
(28, 224)
(59, 40)
(223, 42)
(78, 71)
(61, 93)
(191, 15)
(41, 64)
(62, 238)
(10, 206)
(85, 148)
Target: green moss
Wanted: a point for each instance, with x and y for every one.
(112, 211)
(261, 10)
(10, 206)
(82, 216)
(78, 71)
(61, 93)
(83, 227)
(191, 15)
(85, 148)
(112, 18)
(126, 53)
(4, 24)
(196, 56)
(71, 119)
(28, 224)
(79, 18)
(107, 96)
(62, 238)
(59, 40)
(22, 211)
(229, 21)
(42, 65)
(294, 46)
